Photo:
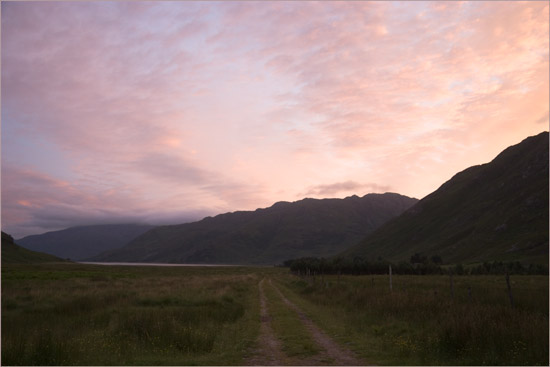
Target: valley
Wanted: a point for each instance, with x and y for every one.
(469, 284)
(274, 183)
(497, 211)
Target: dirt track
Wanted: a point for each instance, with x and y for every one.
(269, 350)
(269, 347)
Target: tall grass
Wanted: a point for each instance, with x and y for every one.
(89, 315)
(419, 322)
(69, 314)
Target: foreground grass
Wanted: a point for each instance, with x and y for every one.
(71, 314)
(420, 323)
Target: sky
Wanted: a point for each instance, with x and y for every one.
(165, 112)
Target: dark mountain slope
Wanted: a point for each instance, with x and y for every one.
(12, 253)
(308, 227)
(79, 243)
(495, 211)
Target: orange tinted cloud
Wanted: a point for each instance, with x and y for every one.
(25, 203)
(168, 107)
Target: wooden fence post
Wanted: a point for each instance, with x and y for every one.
(509, 289)
(452, 286)
(391, 288)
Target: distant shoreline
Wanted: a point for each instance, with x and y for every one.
(148, 264)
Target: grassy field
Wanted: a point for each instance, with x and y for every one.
(420, 323)
(102, 315)
(71, 314)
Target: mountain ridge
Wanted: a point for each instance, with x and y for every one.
(81, 242)
(266, 235)
(13, 253)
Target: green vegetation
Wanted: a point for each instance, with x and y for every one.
(70, 314)
(79, 243)
(359, 266)
(12, 253)
(75, 314)
(496, 211)
(266, 236)
(420, 322)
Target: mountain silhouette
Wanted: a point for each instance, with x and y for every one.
(494, 211)
(309, 227)
(79, 243)
(13, 253)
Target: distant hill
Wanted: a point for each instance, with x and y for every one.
(12, 253)
(309, 227)
(79, 243)
(494, 211)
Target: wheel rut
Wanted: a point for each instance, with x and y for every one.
(340, 355)
(269, 350)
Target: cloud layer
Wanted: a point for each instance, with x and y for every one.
(125, 110)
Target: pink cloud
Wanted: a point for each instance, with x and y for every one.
(232, 105)
(346, 187)
(35, 202)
